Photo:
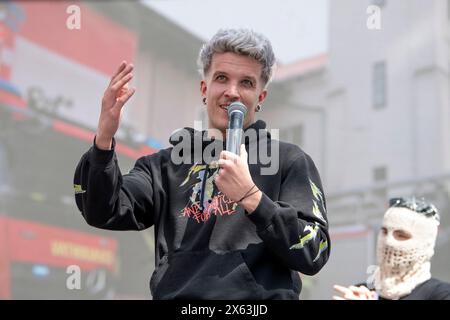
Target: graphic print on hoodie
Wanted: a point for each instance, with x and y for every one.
(206, 199)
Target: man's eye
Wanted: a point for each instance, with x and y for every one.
(247, 83)
(220, 77)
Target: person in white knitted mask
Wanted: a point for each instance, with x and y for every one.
(404, 249)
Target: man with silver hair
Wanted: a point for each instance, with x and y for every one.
(223, 229)
(404, 249)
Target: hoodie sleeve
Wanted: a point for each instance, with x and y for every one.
(295, 228)
(108, 200)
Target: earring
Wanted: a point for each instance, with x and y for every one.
(204, 101)
(258, 108)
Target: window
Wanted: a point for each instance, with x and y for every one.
(379, 85)
(380, 174)
(448, 9)
(379, 3)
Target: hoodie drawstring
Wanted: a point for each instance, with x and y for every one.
(202, 194)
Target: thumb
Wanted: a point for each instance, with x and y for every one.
(120, 101)
(244, 155)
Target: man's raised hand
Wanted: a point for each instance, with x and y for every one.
(116, 95)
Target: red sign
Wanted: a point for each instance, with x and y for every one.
(24, 241)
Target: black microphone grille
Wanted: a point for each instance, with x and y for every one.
(237, 106)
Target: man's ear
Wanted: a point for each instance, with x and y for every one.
(262, 96)
(203, 88)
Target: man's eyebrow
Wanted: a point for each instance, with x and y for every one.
(250, 78)
(219, 72)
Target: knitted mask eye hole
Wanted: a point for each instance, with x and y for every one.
(401, 235)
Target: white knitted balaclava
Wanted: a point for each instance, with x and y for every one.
(404, 264)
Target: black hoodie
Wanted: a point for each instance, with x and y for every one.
(207, 246)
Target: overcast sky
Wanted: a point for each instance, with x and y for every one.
(298, 29)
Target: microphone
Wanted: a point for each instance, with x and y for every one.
(236, 115)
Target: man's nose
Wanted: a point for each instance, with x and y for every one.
(232, 92)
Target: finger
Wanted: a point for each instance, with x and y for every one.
(122, 90)
(122, 65)
(119, 69)
(223, 155)
(356, 289)
(244, 155)
(366, 293)
(338, 298)
(341, 289)
(123, 99)
(228, 155)
(364, 289)
(122, 74)
(231, 156)
(225, 163)
(122, 82)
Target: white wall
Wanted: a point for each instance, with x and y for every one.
(407, 134)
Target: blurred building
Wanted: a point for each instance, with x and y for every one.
(52, 78)
(374, 113)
